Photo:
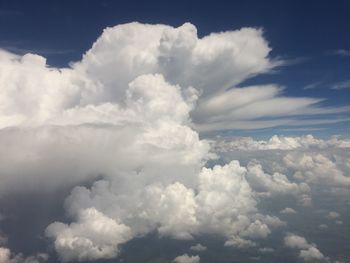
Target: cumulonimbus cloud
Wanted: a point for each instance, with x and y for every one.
(93, 89)
(126, 113)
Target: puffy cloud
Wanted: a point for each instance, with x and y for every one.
(311, 254)
(295, 241)
(173, 208)
(288, 210)
(34, 94)
(333, 215)
(308, 252)
(146, 136)
(225, 199)
(227, 205)
(239, 242)
(224, 204)
(298, 166)
(276, 183)
(7, 257)
(125, 114)
(93, 236)
(210, 64)
(186, 259)
(4, 255)
(316, 168)
(198, 247)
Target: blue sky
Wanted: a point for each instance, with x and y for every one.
(310, 36)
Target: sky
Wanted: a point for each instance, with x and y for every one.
(183, 131)
(311, 38)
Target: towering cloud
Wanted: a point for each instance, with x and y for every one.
(121, 126)
(94, 89)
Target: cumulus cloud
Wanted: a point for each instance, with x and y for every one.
(297, 166)
(93, 236)
(276, 183)
(316, 168)
(333, 215)
(224, 204)
(198, 247)
(295, 241)
(7, 257)
(311, 254)
(213, 65)
(152, 135)
(308, 252)
(288, 210)
(119, 127)
(186, 259)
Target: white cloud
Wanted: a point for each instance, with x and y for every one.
(198, 247)
(341, 85)
(214, 65)
(93, 236)
(313, 85)
(295, 241)
(276, 183)
(239, 242)
(333, 215)
(288, 210)
(308, 252)
(186, 259)
(316, 168)
(7, 257)
(126, 112)
(224, 204)
(147, 136)
(311, 254)
(342, 52)
(4, 255)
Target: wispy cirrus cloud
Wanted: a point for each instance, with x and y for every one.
(341, 85)
(341, 52)
(313, 85)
